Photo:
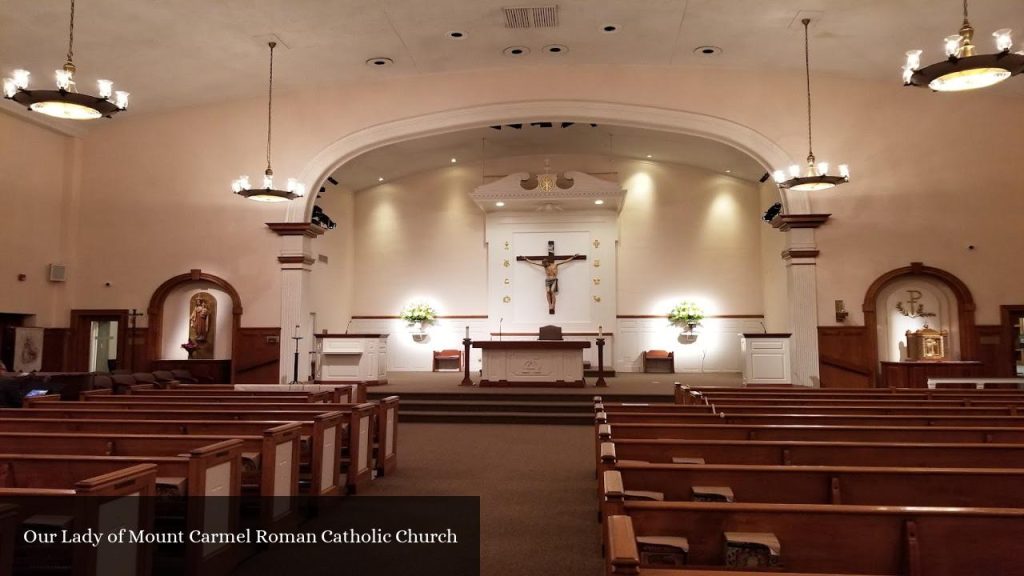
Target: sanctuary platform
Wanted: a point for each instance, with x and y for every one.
(437, 397)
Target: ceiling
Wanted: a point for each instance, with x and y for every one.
(469, 146)
(171, 53)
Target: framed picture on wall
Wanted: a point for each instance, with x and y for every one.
(28, 349)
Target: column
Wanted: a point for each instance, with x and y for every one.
(801, 278)
(296, 260)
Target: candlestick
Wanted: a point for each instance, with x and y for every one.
(600, 331)
(467, 331)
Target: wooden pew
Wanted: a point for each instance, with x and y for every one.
(193, 400)
(970, 434)
(44, 486)
(876, 486)
(356, 390)
(623, 557)
(847, 539)
(809, 419)
(383, 427)
(359, 417)
(744, 408)
(684, 394)
(783, 453)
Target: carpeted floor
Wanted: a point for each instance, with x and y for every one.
(536, 486)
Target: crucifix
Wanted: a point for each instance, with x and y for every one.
(550, 264)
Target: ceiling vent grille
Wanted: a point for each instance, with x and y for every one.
(531, 17)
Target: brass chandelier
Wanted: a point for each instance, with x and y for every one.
(268, 193)
(66, 101)
(963, 69)
(815, 175)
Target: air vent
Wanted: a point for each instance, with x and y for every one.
(531, 17)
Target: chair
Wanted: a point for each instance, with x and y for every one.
(660, 361)
(447, 357)
(549, 333)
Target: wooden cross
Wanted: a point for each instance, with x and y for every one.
(550, 264)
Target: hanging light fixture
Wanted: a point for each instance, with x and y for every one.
(66, 101)
(963, 69)
(816, 176)
(268, 193)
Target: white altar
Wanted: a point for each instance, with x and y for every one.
(557, 363)
(352, 358)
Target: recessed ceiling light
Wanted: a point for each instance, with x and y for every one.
(516, 51)
(375, 62)
(454, 160)
(456, 35)
(499, 204)
(728, 171)
(598, 202)
(610, 28)
(381, 179)
(650, 156)
(707, 50)
(556, 49)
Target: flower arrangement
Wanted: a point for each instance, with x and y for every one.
(418, 313)
(686, 314)
(190, 347)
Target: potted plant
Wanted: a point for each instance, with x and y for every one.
(418, 315)
(687, 315)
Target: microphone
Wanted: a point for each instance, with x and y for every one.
(763, 329)
(500, 320)
(347, 326)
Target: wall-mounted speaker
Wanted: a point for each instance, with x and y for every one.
(58, 273)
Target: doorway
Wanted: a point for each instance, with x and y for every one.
(98, 341)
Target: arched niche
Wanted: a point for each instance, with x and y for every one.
(183, 283)
(946, 295)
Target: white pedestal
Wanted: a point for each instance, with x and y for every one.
(352, 358)
(766, 359)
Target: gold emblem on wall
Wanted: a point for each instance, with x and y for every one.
(597, 243)
(597, 263)
(506, 264)
(202, 325)
(597, 298)
(913, 309)
(597, 281)
(506, 299)
(507, 245)
(507, 281)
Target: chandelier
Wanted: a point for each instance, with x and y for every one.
(66, 101)
(268, 193)
(815, 176)
(963, 69)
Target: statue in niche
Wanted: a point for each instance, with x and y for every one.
(202, 322)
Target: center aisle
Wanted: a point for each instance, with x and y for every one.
(535, 484)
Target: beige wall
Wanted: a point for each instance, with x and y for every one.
(38, 218)
(775, 292)
(684, 233)
(932, 174)
(332, 284)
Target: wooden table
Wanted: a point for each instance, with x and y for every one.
(535, 363)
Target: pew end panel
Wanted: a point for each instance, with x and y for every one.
(360, 445)
(387, 436)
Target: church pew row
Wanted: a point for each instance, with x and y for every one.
(203, 469)
(808, 419)
(912, 541)
(795, 408)
(790, 453)
(936, 400)
(357, 390)
(875, 486)
(265, 458)
(36, 482)
(338, 394)
(195, 400)
(383, 427)
(685, 394)
(324, 428)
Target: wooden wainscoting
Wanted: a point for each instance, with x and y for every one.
(55, 349)
(992, 351)
(257, 355)
(843, 359)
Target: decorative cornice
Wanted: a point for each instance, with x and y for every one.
(787, 222)
(790, 253)
(307, 260)
(307, 229)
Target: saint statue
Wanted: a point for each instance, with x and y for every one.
(199, 320)
(550, 265)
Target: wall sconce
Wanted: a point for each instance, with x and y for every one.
(841, 312)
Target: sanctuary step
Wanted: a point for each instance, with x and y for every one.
(503, 408)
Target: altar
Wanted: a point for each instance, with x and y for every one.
(536, 363)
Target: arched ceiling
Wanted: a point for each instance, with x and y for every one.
(171, 53)
(469, 146)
